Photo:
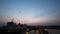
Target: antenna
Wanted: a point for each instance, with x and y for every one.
(12, 20)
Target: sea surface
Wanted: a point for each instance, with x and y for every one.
(51, 31)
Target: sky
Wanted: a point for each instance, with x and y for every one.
(30, 11)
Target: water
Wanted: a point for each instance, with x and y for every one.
(51, 31)
(33, 32)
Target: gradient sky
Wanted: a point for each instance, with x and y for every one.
(30, 11)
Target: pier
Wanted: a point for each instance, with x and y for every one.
(36, 29)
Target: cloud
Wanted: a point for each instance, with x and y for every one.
(47, 14)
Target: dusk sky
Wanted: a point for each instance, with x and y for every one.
(30, 11)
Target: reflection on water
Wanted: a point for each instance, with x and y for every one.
(50, 31)
(33, 32)
(26, 32)
(37, 31)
